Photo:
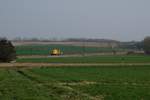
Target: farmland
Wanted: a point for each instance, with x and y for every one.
(66, 49)
(90, 59)
(74, 76)
(76, 83)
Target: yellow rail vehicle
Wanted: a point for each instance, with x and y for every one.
(56, 52)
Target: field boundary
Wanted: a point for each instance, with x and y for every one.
(31, 65)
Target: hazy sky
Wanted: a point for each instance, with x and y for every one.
(113, 19)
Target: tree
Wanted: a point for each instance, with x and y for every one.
(146, 45)
(7, 51)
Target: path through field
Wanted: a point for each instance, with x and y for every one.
(31, 65)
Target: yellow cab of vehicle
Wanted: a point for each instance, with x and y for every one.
(56, 52)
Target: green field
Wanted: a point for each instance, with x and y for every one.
(76, 83)
(90, 59)
(66, 49)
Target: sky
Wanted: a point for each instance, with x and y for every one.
(123, 20)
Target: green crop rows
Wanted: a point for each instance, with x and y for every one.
(66, 49)
(76, 83)
(90, 59)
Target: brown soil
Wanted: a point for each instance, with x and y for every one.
(31, 65)
(71, 55)
(87, 44)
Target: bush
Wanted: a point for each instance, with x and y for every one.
(7, 51)
(146, 45)
(130, 52)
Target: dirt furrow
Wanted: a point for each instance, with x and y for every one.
(31, 65)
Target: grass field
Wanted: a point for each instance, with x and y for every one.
(66, 49)
(79, 82)
(90, 59)
(76, 83)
